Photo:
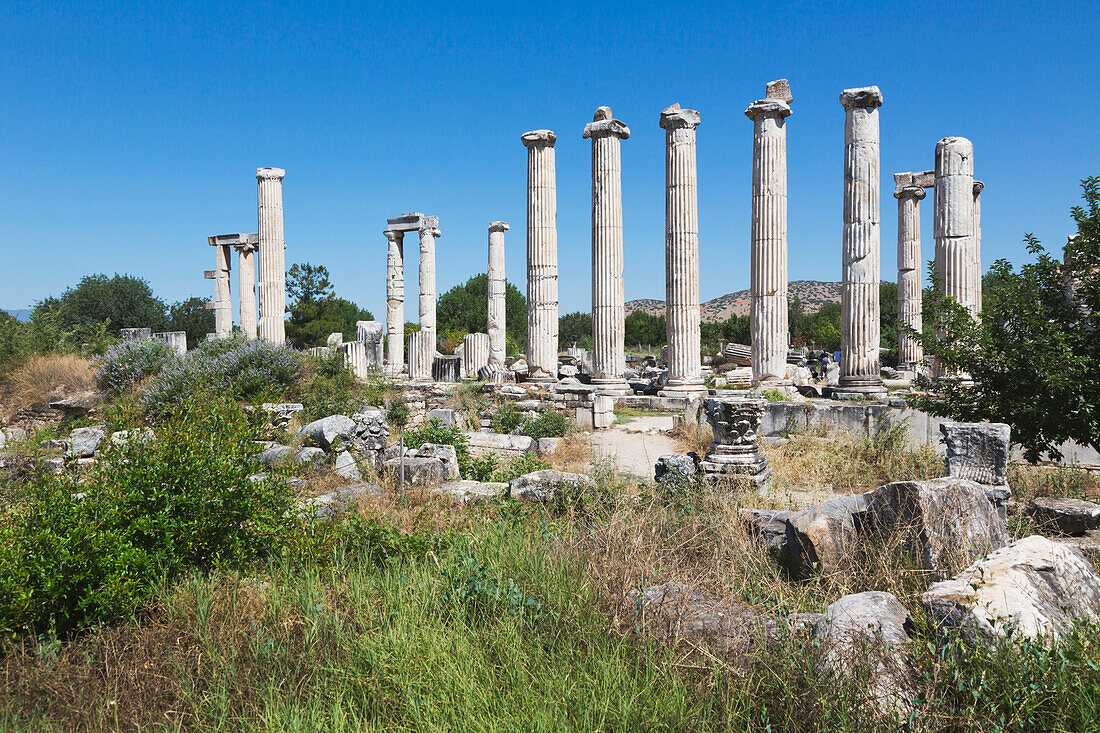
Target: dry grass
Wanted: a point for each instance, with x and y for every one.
(42, 379)
(694, 438)
(573, 454)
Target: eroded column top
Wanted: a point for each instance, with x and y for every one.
(954, 156)
(498, 226)
(673, 117)
(539, 137)
(904, 189)
(604, 125)
(978, 186)
(861, 97)
(264, 173)
(768, 108)
(393, 236)
(430, 224)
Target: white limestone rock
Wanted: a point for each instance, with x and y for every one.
(1035, 586)
(1071, 517)
(543, 486)
(445, 453)
(417, 471)
(84, 442)
(313, 458)
(345, 466)
(465, 492)
(323, 433)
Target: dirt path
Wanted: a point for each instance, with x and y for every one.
(635, 445)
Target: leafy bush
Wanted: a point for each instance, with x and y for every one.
(481, 469)
(236, 367)
(434, 431)
(77, 551)
(483, 596)
(550, 424)
(774, 395)
(398, 414)
(529, 463)
(328, 387)
(507, 418)
(130, 362)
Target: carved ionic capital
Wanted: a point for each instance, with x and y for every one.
(393, 236)
(673, 117)
(861, 97)
(604, 125)
(768, 108)
(916, 192)
(266, 173)
(498, 226)
(539, 138)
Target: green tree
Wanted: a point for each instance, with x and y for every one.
(192, 316)
(124, 301)
(644, 329)
(1034, 355)
(465, 309)
(315, 311)
(575, 328)
(888, 320)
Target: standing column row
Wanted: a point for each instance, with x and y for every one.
(496, 287)
(682, 252)
(859, 294)
(272, 301)
(395, 302)
(608, 306)
(542, 255)
(768, 267)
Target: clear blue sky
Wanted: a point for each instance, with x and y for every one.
(131, 131)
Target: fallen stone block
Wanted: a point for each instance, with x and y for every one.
(417, 471)
(1037, 587)
(445, 453)
(546, 446)
(274, 454)
(465, 492)
(549, 485)
(314, 459)
(678, 466)
(873, 629)
(324, 433)
(979, 452)
(346, 466)
(83, 442)
(1071, 517)
(337, 503)
(510, 446)
(823, 537)
(768, 526)
(451, 418)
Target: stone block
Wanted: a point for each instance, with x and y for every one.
(417, 471)
(445, 453)
(448, 417)
(325, 432)
(133, 334)
(447, 369)
(84, 442)
(1071, 517)
(465, 492)
(315, 459)
(175, 339)
(345, 466)
(335, 504)
(543, 486)
(511, 446)
(977, 451)
(768, 526)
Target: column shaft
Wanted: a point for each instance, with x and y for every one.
(954, 220)
(682, 252)
(428, 233)
(246, 264)
(859, 328)
(542, 255)
(909, 273)
(395, 302)
(272, 301)
(497, 287)
(976, 247)
(223, 301)
(608, 304)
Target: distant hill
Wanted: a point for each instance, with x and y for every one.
(812, 293)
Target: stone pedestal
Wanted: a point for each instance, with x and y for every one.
(768, 268)
(542, 256)
(497, 286)
(909, 197)
(272, 249)
(370, 333)
(476, 350)
(421, 355)
(859, 327)
(395, 302)
(176, 339)
(429, 231)
(608, 305)
(734, 454)
(134, 334)
(681, 254)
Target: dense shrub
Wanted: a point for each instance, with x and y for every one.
(79, 550)
(328, 387)
(129, 362)
(550, 424)
(235, 367)
(507, 418)
(434, 431)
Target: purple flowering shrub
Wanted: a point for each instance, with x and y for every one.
(235, 367)
(129, 362)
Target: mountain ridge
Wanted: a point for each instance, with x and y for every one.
(812, 293)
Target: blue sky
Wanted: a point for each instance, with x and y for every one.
(131, 131)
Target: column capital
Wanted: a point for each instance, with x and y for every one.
(978, 186)
(393, 236)
(430, 224)
(916, 192)
(265, 173)
(768, 108)
(538, 138)
(869, 97)
(498, 226)
(673, 118)
(604, 125)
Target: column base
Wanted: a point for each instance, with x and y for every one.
(688, 390)
(614, 387)
(737, 463)
(541, 380)
(857, 387)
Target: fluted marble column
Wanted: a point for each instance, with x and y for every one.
(496, 286)
(859, 327)
(428, 234)
(954, 220)
(395, 302)
(272, 302)
(246, 280)
(608, 306)
(909, 278)
(542, 255)
(223, 301)
(976, 247)
(475, 354)
(768, 269)
(681, 253)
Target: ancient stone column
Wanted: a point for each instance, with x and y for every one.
(496, 285)
(859, 328)
(681, 253)
(954, 220)
(909, 196)
(976, 249)
(542, 256)
(395, 302)
(608, 305)
(371, 333)
(246, 280)
(272, 302)
(734, 454)
(223, 302)
(421, 355)
(476, 348)
(428, 233)
(768, 264)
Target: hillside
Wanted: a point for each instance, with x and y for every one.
(812, 293)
